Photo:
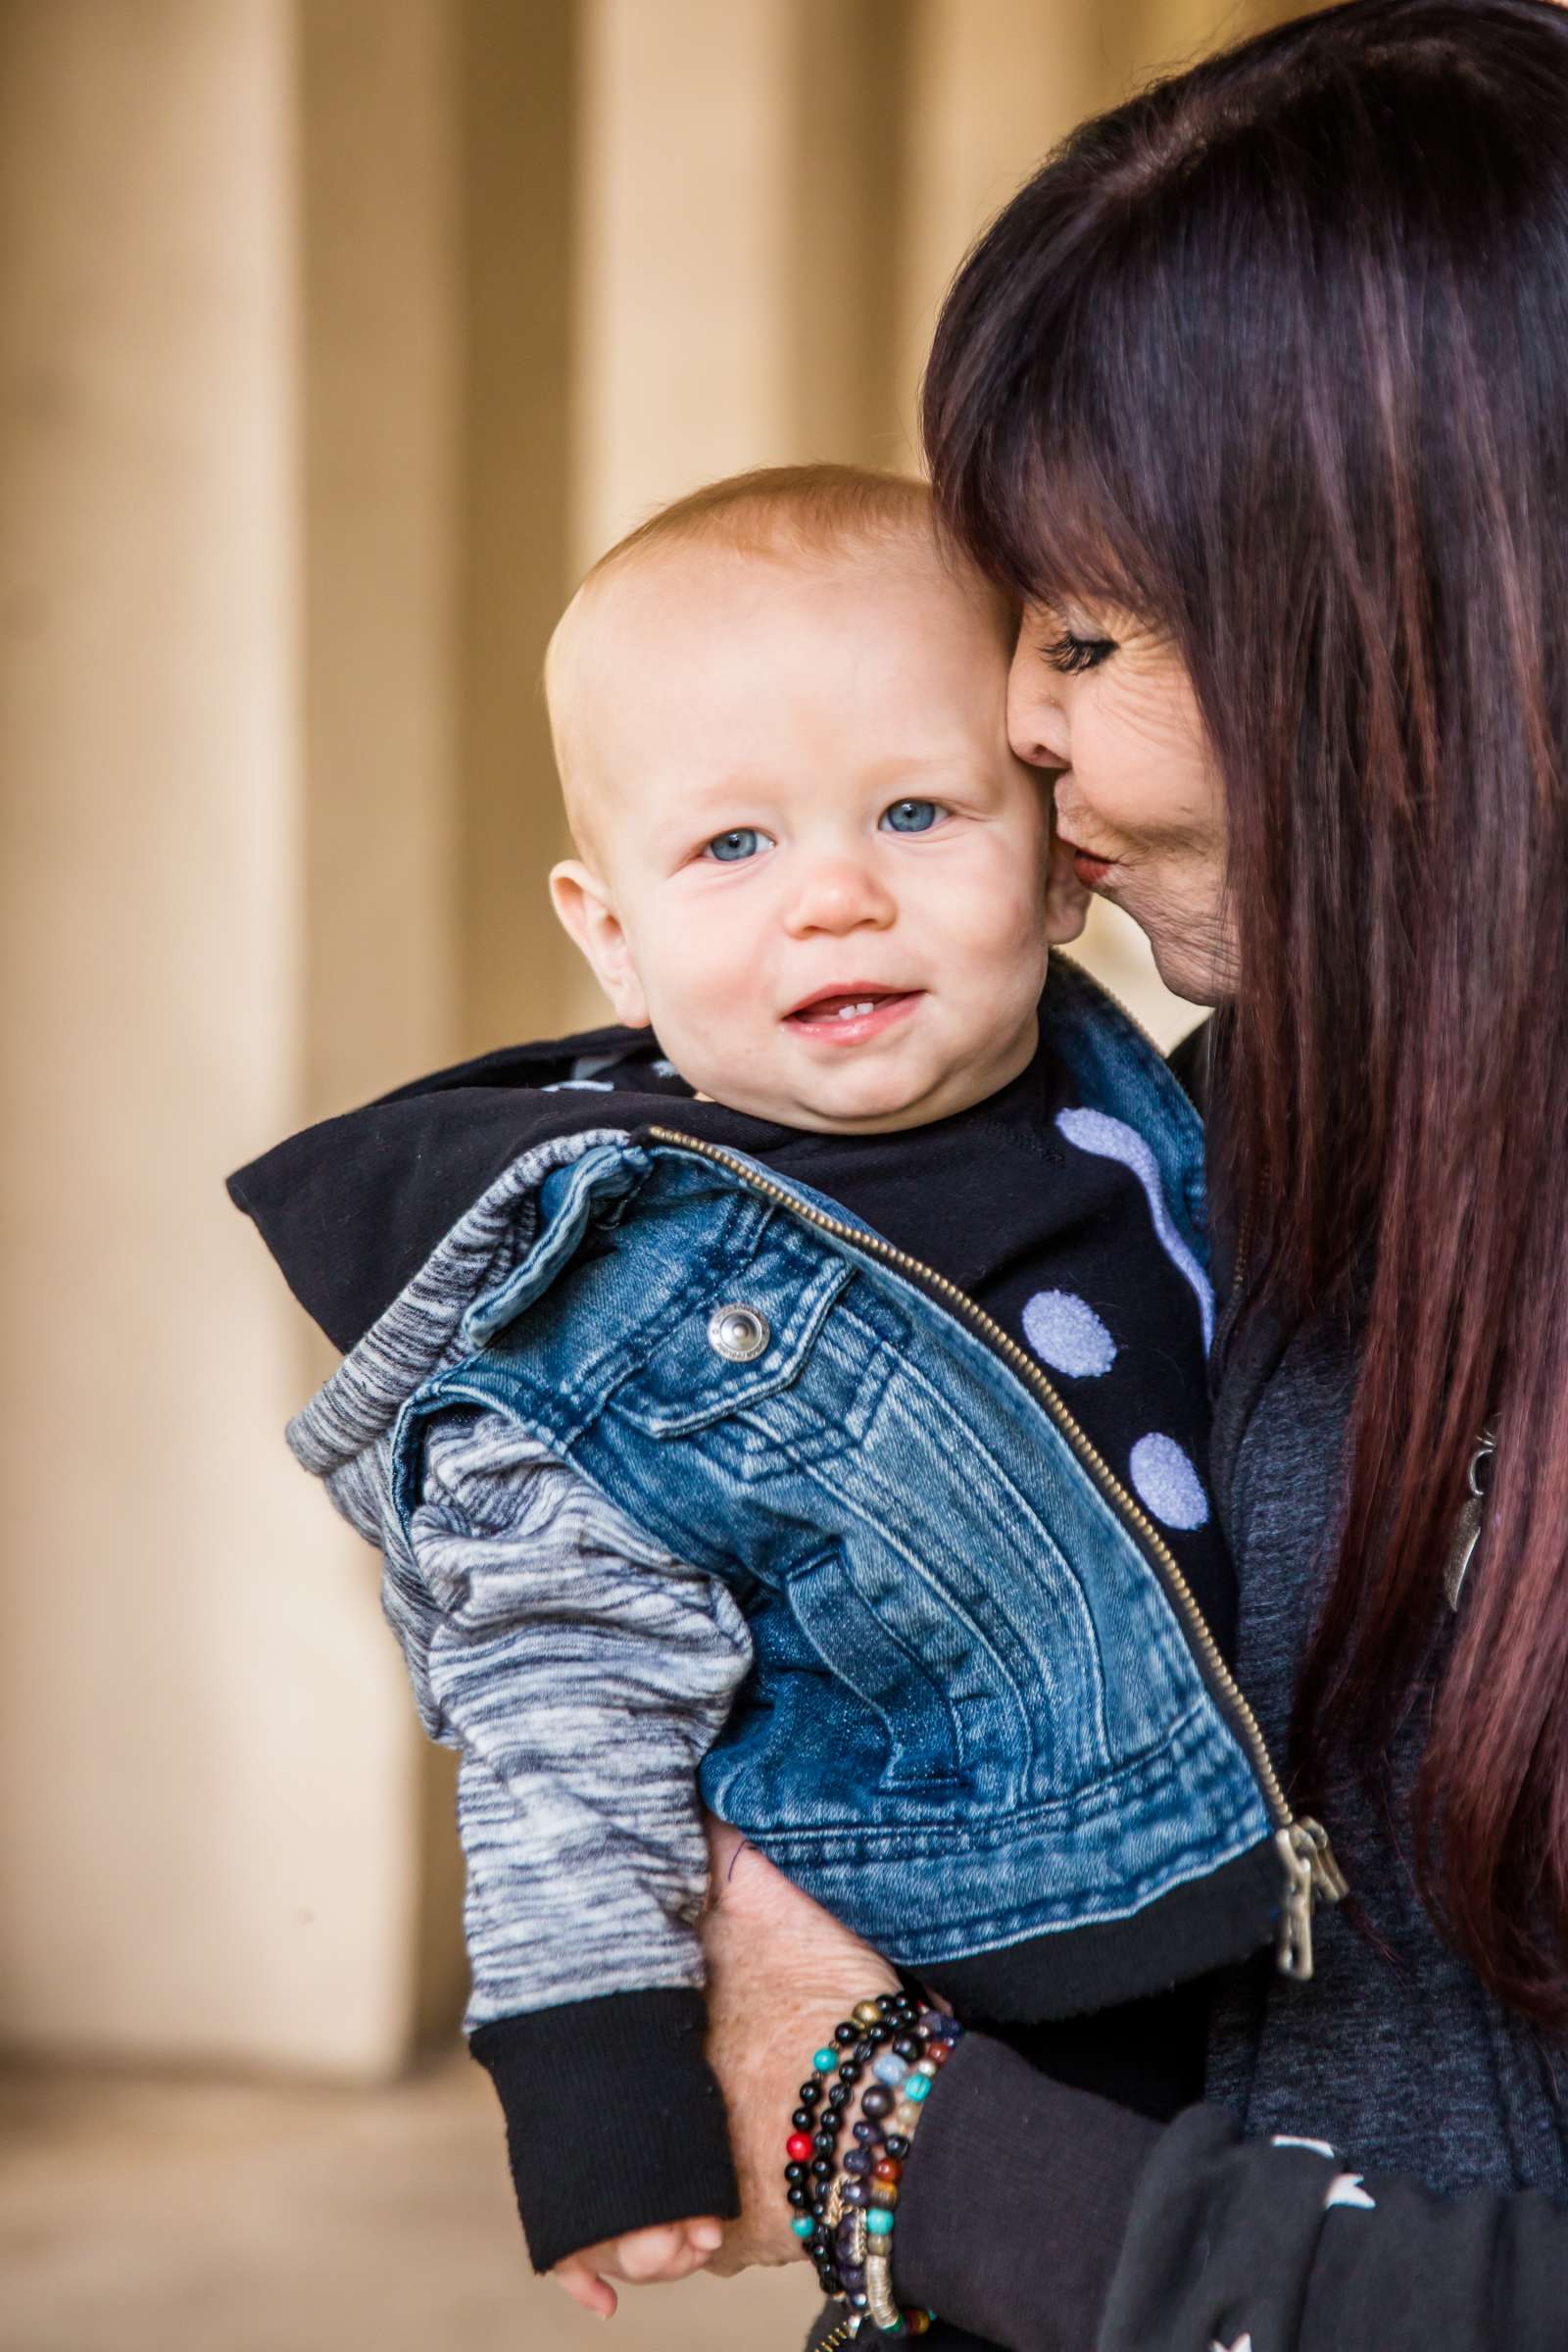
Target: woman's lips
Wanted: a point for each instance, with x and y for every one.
(1090, 869)
(850, 1017)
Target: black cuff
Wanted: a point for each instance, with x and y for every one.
(614, 2120)
(1014, 2201)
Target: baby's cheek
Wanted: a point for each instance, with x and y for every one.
(1017, 910)
(690, 987)
(713, 1018)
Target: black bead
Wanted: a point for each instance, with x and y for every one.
(801, 2120)
(855, 2192)
(909, 2046)
(822, 2142)
(861, 2050)
(878, 2036)
(845, 2035)
(832, 2124)
(811, 2092)
(849, 2072)
(837, 2095)
(795, 2170)
(877, 2102)
(859, 2300)
(822, 2167)
(866, 2134)
(887, 2002)
(798, 2197)
(821, 2240)
(897, 2145)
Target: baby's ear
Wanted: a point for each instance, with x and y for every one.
(588, 916)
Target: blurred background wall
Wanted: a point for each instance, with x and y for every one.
(336, 337)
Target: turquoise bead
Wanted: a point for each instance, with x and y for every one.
(825, 2061)
(803, 2224)
(916, 2088)
(879, 2222)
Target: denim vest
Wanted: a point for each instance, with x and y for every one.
(982, 1714)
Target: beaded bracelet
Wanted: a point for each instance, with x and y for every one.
(845, 2217)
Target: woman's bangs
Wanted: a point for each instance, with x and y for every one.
(1042, 487)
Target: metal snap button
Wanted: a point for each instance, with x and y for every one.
(738, 1332)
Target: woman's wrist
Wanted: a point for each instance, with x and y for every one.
(861, 2107)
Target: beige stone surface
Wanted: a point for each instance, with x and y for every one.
(207, 1835)
(141, 2215)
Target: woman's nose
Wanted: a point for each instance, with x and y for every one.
(1037, 725)
(840, 895)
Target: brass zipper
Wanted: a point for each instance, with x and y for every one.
(1311, 1869)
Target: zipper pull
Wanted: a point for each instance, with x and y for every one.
(1329, 1882)
(1293, 1950)
(1311, 1877)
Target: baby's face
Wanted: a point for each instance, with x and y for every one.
(820, 872)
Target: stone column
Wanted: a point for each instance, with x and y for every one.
(207, 1758)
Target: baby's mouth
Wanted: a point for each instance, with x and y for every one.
(848, 1015)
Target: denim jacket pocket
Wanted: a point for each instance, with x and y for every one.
(739, 1345)
(864, 1654)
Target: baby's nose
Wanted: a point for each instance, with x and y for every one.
(842, 894)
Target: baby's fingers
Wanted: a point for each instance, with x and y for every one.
(585, 2286)
(673, 2252)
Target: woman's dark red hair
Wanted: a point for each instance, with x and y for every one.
(1276, 355)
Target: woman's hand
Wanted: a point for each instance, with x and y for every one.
(781, 1973)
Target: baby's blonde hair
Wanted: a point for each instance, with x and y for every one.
(797, 512)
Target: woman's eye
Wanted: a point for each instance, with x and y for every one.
(1070, 654)
(912, 816)
(729, 848)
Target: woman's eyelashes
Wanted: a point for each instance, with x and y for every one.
(1070, 653)
(733, 848)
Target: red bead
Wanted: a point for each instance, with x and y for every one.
(798, 2147)
(887, 2168)
(939, 2052)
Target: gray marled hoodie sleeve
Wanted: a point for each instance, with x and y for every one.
(582, 1672)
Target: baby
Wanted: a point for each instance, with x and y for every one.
(793, 1399)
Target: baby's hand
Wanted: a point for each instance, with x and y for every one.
(642, 2256)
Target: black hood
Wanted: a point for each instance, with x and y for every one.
(352, 1208)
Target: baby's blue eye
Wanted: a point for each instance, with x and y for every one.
(912, 816)
(730, 847)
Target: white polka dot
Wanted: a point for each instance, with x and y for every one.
(1066, 1334)
(1168, 1484)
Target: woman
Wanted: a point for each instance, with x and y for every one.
(1258, 398)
